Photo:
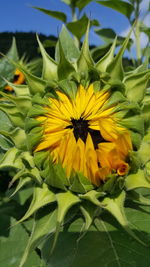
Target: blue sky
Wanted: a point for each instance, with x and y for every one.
(17, 15)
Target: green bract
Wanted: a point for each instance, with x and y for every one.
(20, 133)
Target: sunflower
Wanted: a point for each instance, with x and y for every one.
(79, 136)
(18, 78)
(84, 136)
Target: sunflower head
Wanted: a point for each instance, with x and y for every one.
(80, 132)
(18, 78)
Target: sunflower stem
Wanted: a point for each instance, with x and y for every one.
(74, 18)
(137, 33)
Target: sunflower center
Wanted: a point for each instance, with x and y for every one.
(16, 77)
(81, 130)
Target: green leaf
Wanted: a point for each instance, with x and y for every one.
(81, 4)
(136, 85)
(43, 226)
(79, 27)
(105, 243)
(120, 6)
(49, 71)
(55, 14)
(145, 29)
(41, 197)
(107, 34)
(13, 244)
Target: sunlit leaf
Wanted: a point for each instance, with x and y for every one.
(55, 14)
(120, 6)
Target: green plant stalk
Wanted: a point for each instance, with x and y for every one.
(74, 18)
(138, 45)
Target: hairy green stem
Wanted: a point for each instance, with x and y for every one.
(74, 18)
(138, 45)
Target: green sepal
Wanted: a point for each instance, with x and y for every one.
(49, 71)
(27, 158)
(41, 197)
(19, 89)
(6, 68)
(102, 64)
(115, 206)
(36, 99)
(116, 98)
(31, 123)
(34, 137)
(93, 197)
(6, 124)
(65, 201)
(88, 210)
(136, 139)
(40, 157)
(68, 87)
(36, 84)
(16, 118)
(5, 143)
(113, 184)
(115, 68)
(22, 182)
(23, 103)
(146, 109)
(147, 170)
(65, 68)
(138, 198)
(54, 175)
(36, 110)
(85, 60)
(136, 85)
(33, 173)
(134, 123)
(68, 45)
(11, 159)
(18, 137)
(136, 180)
(80, 184)
(134, 161)
(144, 152)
